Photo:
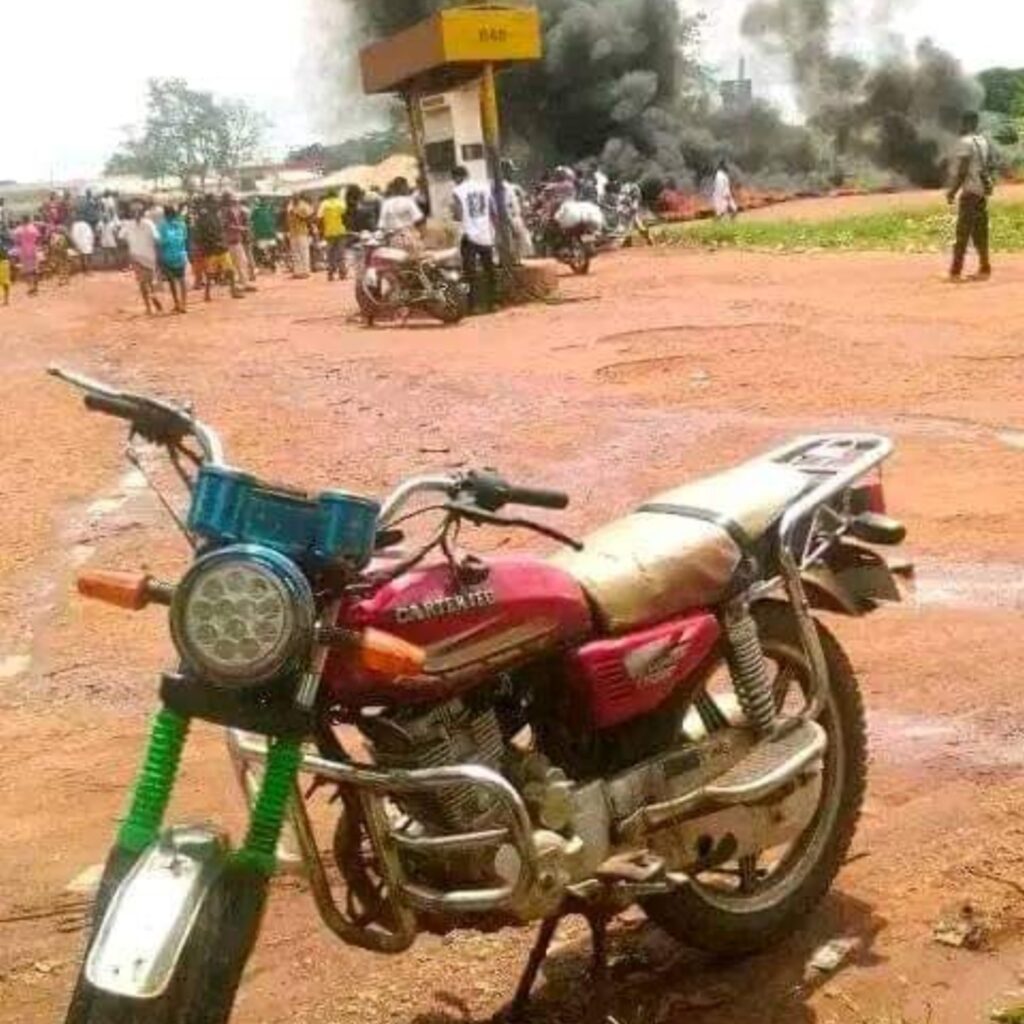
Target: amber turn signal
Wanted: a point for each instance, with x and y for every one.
(389, 655)
(122, 589)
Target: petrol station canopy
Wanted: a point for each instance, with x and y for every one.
(450, 48)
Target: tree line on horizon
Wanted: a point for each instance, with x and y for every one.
(193, 136)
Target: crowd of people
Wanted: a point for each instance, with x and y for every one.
(212, 240)
(218, 240)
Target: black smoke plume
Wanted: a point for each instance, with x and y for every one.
(621, 82)
(899, 114)
(613, 83)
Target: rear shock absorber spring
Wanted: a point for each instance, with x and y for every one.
(749, 668)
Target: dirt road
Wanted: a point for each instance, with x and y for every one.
(660, 366)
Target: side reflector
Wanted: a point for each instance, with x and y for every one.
(122, 589)
(389, 655)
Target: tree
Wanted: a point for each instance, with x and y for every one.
(1002, 86)
(191, 135)
(369, 148)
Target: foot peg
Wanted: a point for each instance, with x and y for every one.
(639, 868)
(769, 765)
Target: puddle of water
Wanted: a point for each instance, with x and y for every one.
(994, 585)
(14, 665)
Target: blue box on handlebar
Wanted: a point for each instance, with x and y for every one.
(235, 508)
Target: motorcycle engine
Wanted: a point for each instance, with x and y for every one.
(449, 734)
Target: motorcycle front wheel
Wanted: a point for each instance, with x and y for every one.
(378, 301)
(750, 905)
(209, 972)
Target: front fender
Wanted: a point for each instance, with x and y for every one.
(151, 914)
(852, 580)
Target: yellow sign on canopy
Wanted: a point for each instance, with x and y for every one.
(452, 44)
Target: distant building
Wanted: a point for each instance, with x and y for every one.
(738, 93)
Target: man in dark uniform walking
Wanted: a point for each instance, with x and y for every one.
(973, 182)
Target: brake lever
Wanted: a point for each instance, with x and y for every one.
(481, 517)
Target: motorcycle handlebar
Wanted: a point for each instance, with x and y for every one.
(119, 407)
(153, 419)
(165, 423)
(538, 497)
(492, 492)
(488, 491)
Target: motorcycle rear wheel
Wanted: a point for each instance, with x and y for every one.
(208, 975)
(578, 259)
(754, 917)
(452, 306)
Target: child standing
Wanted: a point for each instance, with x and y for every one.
(26, 241)
(5, 266)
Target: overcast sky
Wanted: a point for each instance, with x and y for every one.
(75, 72)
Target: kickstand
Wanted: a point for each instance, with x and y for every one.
(598, 919)
(538, 955)
(598, 922)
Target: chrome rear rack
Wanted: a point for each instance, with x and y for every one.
(835, 462)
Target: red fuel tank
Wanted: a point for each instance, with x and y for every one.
(523, 608)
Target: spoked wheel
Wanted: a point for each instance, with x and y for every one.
(578, 258)
(377, 301)
(451, 305)
(749, 904)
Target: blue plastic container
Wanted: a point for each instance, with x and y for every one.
(230, 507)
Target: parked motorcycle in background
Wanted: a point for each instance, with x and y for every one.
(392, 283)
(269, 253)
(571, 234)
(650, 717)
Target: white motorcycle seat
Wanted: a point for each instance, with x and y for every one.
(444, 256)
(392, 255)
(653, 564)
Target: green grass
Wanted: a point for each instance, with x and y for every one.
(929, 229)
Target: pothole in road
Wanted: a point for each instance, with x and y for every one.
(687, 334)
(672, 351)
(639, 370)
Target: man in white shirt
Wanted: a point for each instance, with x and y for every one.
(401, 216)
(474, 210)
(108, 232)
(140, 234)
(973, 182)
(721, 194)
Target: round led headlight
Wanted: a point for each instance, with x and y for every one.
(243, 615)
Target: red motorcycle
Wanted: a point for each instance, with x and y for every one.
(653, 716)
(393, 283)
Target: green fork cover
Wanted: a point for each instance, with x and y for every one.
(259, 851)
(152, 792)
